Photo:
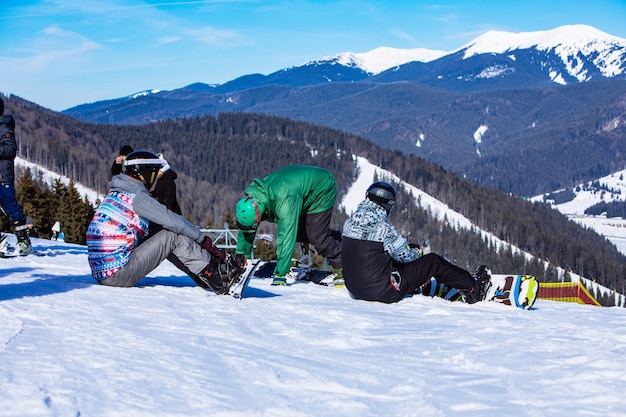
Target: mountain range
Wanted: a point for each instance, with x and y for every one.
(572, 53)
(525, 113)
(567, 54)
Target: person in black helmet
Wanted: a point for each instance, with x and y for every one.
(379, 265)
(121, 250)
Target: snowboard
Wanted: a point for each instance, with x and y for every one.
(17, 255)
(8, 251)
(316, 276)
(257, 268)
(304, 271)
(298, 273)
(238, 288)
(511, 290)
(13, 254)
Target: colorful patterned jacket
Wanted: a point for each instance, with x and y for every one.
(121, 222)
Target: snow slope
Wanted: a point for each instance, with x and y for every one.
(49, 177)
(69, 347)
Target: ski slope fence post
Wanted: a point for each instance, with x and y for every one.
(224, 238)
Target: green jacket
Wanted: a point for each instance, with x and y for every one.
(288, 194)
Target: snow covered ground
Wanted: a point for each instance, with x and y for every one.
(69, 347)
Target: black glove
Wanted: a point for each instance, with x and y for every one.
(217, 253)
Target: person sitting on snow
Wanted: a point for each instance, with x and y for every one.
(121, 251)
(379, 265)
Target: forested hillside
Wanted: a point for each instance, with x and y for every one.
(533, 140)
(217, 157)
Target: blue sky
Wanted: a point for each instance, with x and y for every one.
(61, 53)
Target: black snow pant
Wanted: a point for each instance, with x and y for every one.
(315, 229)
(415, 274)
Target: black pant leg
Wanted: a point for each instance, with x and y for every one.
(327, 242)
(417, 273)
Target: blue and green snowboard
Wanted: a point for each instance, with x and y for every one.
(511, 290)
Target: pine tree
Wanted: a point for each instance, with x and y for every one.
(230, 219)
(46, 206)
(32, 199)
(78, 213)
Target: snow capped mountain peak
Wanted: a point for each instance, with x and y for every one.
(382, 58)
(575, 46)
(570, 43)
(570, 37)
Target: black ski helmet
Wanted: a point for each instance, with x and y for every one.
(144, 166)
(383, 194)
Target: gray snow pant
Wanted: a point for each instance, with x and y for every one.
(152, 251)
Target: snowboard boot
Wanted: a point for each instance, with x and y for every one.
(23, 246)
(279, 281)
(213, 278)
(338, 280)
(432, 288)
(233, 269)
(482, 279)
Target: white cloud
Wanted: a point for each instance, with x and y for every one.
(54, 47)
(218, 37)
(169, 39)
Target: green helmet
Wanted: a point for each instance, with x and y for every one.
(249, 212)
